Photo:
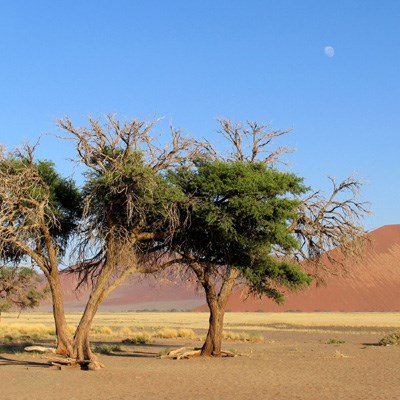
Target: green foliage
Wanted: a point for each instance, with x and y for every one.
(65, 201)
(19, 288)
(5, 305)
(393, 339)
(34, 187)
(239, 215)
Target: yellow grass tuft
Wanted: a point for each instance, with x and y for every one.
(186, 333)
(166, 333)
(124, 331)
(102, 331)
(242, 337)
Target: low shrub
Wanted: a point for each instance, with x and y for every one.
(393, 339)
(138, 338)
(335, 341)
(107, 349)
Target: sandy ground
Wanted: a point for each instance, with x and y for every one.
(288, 365)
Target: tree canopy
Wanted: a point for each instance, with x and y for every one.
(239, 213)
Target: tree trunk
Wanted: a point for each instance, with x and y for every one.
(64, 342)
(213, 343)
(82, 351)
(81, 348)
(216, 302)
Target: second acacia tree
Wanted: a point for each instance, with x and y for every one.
(239, 213)
(247, 223)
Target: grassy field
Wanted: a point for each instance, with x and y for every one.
(190, 324)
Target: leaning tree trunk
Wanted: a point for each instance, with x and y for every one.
(82, 351)
(81, 347)
(64, 342)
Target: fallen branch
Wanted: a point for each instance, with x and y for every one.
(40, 349)
(184, 353)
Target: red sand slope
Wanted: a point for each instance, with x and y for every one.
(136, 294)
(372, 285)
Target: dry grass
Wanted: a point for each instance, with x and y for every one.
(240, 326)
(165, 333)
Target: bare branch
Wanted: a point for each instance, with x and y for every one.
(251, 143)
(329, 228)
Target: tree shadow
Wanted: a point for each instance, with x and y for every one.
(140, 350)
(133, 354)
(4, 361)
(131, 345)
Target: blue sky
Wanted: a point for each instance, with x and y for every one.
(191, 61)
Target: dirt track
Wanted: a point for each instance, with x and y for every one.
(289, 365)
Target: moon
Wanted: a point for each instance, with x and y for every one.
(329, 51)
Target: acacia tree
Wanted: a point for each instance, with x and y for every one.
(39, 212)
(240, 212)
(249, 224)
(19, 288)
(129, 207)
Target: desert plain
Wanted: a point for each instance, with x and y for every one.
(277, 356)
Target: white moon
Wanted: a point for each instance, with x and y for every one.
(329, 51)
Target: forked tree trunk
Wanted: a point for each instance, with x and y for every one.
(64, 341)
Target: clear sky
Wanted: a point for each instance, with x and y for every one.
(191, 61)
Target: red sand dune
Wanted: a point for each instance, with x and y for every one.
(372, 285)
(135, 294)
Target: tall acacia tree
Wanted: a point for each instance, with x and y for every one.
(250, 223)
(129, 207)
(240, 212)
(39, 211)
